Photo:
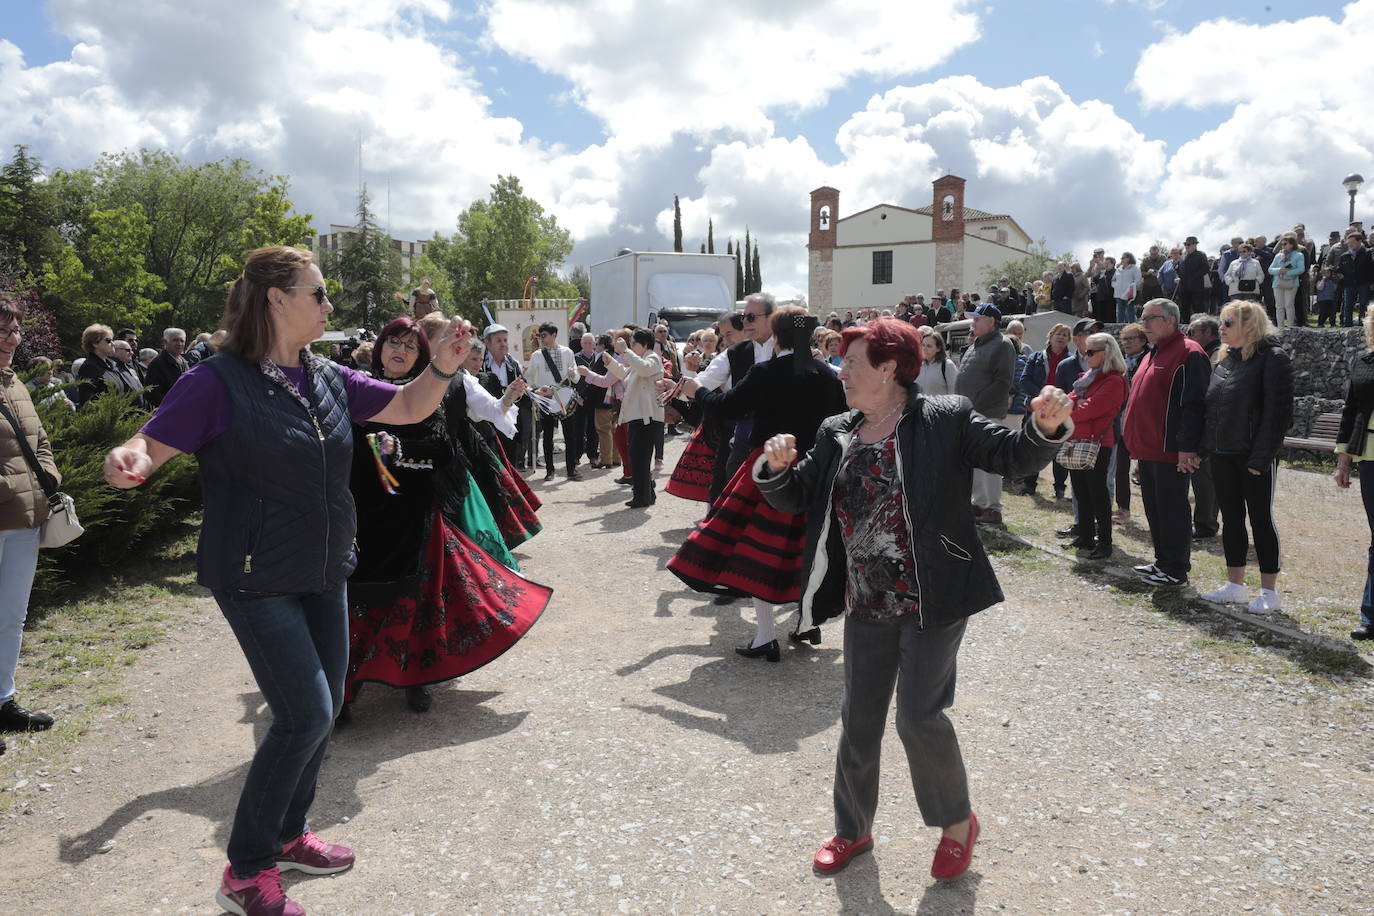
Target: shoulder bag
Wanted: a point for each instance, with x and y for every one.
(1078, 454)
(62, 526)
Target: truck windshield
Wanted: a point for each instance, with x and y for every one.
(682, 325)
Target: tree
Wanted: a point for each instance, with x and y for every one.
(107, 282)
(500, 243)
(677, 224)
(1021, 271)
(368, 269)
(581, 279)
(739, 269)
(710, 237)
(28, 232)
(758, 278)
(703, 247)
(202, 221)
(748, 264)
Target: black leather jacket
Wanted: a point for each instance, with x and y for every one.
(1359, 403)
(1250, 404)
(940, 440)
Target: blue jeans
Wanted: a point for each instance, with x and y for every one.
(297, 648)
(1352, 307)
(18, 560)
(1125, 312)
(1367, 494)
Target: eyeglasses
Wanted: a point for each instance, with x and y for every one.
(406, 345)
(1091, 352)
(317, 291)
(1228, 322)
(107, 340)
(1146, 319)
(7, 333)
(751, 317)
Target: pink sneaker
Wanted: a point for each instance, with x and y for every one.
(312, 855)
(260, 895)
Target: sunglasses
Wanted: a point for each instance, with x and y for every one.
(406, 345)
(316, 291)
(107, 340)
(1228, 322)
(1091, 352)
(751, 317)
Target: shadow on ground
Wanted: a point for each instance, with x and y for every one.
(377, 736)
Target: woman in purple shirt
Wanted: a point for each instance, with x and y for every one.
(271, 425)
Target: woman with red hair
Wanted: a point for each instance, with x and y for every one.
(891, 544)
(435, 595)
(746, 547)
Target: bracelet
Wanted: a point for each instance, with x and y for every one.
(437, 374)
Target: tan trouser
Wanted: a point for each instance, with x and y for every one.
(605, 427)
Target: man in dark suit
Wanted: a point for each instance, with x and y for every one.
(1191, 294)
(1061, 290)
(130, 336)
(166, 367)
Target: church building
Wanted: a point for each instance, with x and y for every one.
(874, 258)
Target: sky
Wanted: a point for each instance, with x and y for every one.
(1116, 123)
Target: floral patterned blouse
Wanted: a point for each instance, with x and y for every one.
(881, 573)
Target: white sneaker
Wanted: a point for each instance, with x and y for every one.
(1230, 593)
(1266, 603)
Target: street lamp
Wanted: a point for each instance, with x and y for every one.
(1352, 184)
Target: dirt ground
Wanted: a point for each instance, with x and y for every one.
(621, 759)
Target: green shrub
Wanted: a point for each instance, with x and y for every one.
(116, 521)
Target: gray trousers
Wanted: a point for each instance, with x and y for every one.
(878, 655)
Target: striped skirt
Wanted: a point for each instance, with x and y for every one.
(746, 547)
(692, 476)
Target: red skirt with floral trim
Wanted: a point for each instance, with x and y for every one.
(515, 504)
(692, 476)
(461, 610)
(746, 547)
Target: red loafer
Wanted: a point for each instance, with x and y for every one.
(836, 852)
(952, 857)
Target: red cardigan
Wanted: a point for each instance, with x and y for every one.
(1094, 414)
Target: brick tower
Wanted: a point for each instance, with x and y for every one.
(820, 248)
(947, 229)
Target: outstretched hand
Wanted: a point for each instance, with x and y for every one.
(1051, 408)
(453, 346)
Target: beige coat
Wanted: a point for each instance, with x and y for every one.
(640, 375)
(22, 503)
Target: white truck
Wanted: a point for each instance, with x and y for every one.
(686, 291)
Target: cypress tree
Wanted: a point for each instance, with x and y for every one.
(677, 224)
(758, 278)
(739, 275)
(748, 264)
(703, 247)
(710, 237)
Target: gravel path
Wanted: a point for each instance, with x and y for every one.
(621, 759)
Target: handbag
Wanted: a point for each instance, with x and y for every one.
(62, 526)
(1078, 454)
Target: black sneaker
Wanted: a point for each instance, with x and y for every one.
(1145, 569)
(1362, 633)
(15, 718)
(1161, 578)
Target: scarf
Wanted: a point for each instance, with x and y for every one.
(1085, 381)
(309, 361)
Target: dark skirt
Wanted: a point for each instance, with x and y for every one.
(512, 502)
(692, 476)
(461, 610)
(746, 547)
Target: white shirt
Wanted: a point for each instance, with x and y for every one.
(717, 375)
(482, 406)
(538, 374)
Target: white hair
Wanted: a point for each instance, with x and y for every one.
(172, 332)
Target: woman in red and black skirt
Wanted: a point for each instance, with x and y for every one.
(426, 603)
(691, 477)
(746, 547)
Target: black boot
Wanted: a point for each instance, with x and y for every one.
(1103, 551)
(15, 718)
(419, 699)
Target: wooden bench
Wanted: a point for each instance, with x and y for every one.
(1321, 438)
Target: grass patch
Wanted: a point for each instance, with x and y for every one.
(79, 642)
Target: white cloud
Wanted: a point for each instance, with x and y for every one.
(652, 68)
(1278, 156)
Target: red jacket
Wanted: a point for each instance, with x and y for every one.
(1168, 403)
(1094, 412)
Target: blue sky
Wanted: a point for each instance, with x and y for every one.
(603, 125)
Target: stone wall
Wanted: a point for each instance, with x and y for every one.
(1308, 408)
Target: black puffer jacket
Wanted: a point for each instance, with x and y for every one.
(1250, 404)
(1359, 405)
(940, 440)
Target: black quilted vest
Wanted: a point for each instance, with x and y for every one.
(279, 516)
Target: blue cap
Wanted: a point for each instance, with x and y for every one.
(988, 310)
